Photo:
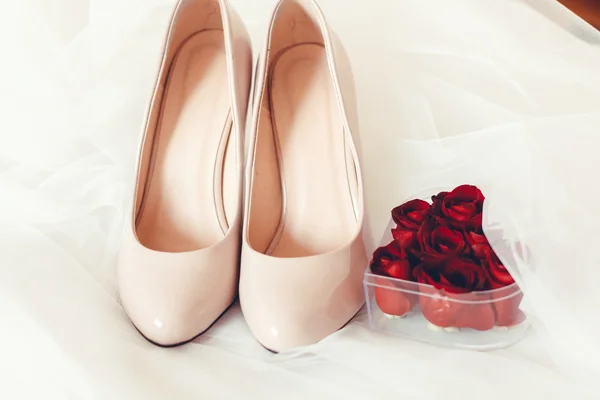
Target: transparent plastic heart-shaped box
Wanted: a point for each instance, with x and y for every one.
(481, 320)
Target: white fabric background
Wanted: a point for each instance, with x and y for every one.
(442, 86)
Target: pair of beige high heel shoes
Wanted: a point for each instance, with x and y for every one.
(287, 226)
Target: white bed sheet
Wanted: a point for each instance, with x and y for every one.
(76, 77)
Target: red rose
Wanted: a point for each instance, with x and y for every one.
(449, 301)
(455, 275)
(454, 264)
(460, 208)
(479, 244)
(496, 273)
(439, 241)
(391, 261)
(436, 207)
(464, 310)
(507, 307)
(411, 214)
(506, 302)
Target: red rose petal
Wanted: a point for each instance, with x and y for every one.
(476, 221)
(475, 238)
(448, 239)
(465, 275)
(416, 215)
(438, 197)
(460, 212)
(423, 276)
(467, 192)
(399, 269)
(404, 237)
(445, 282)
(499, 275)
(481, 251)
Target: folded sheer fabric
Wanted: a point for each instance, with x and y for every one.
(544, 221)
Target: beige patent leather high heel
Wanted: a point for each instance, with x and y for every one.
(178, 266)
(303, 255)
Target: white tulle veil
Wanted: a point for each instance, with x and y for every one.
(501, 94)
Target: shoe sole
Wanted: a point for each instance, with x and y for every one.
(168, 346)
(337, 330)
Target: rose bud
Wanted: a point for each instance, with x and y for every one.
(450, 284)
(507, 306)
(391, 261)
(479, 245)
(411, 214)
(507, 309)
(438, 242)
(455, 275)
(498, 275)
(461, 208)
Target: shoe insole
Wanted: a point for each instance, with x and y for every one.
(190, 188)
(309, 136)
